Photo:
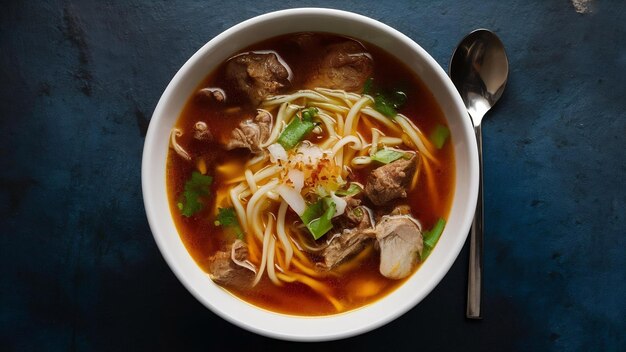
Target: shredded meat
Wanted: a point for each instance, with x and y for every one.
(390, 181)
(230, 267)
(201, 131)
(344, 66)
(215, 94)
(257, 75)
(400, 241)
(251, 133)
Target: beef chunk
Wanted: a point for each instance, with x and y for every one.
(349, 243)
(231, 268)
(355, 215)
(251, 133)
(402, 209)
(257, 75)
(344, 66)
(307, 42)
(343, 246)
(401, 242)
(390, 181)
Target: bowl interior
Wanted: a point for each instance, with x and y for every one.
(296, 327)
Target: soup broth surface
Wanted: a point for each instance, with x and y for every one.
(355, 285)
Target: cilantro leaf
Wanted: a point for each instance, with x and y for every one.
(383, 107)
(196, 187)
(227, 218)
(387, 102)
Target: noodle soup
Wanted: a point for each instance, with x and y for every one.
(310, 174)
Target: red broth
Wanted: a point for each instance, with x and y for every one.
(354, 288)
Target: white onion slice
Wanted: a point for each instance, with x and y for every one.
(308, 153)
(277, 152)
(297, 179)
(340, 204)
(293, 198)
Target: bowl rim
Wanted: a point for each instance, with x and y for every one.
(264, 328)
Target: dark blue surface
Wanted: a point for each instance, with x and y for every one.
(79, 268)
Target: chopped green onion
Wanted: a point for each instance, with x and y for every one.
(387, 156)
(312, 211)
(309, 114)
(352, 190)
(432, 236)
(298, 128)
(439, 136)
(227, 218)
(317, 217)
(195, 188)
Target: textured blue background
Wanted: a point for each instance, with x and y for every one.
(79, 269)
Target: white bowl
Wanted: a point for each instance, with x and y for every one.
(254, 318)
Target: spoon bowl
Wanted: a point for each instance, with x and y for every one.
(479, 69)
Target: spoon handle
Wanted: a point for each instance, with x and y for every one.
(474, 282)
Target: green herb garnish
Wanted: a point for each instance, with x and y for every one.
(353, 189)
(195, 188)
(317, 217)
(387, 156)
(298, 128)
(431, 237)
(227, 219)
(387, 102)
(439, 136)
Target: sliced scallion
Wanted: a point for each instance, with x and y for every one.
(439, 136)
(431, 237)
(387, 156)
(298, 128)
(353, 189)
(317, 217)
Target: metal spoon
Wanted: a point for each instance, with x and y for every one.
(479, 69)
